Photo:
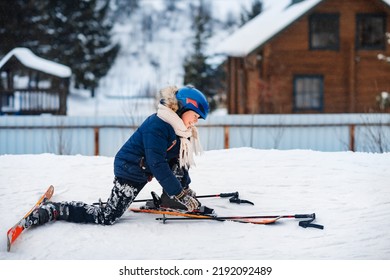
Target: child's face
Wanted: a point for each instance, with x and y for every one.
(190, 118)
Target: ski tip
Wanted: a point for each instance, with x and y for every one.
(8, 244)
(16, 230)
(10, 235)
(51, 190)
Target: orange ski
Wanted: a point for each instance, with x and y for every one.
(194, 216)
(14, 232)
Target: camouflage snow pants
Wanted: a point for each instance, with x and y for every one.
(122, 195)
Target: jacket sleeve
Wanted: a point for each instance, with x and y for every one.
(155, 144)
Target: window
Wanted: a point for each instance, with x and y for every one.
(324, 32)
(3, 80)
(308, 92)
(370, 31)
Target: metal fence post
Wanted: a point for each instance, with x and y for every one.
(352, 137)
(96, 134)
(226, 136)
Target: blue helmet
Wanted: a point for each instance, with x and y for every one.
(189, 98)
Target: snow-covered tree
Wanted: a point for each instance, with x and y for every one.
(122, 9)
(256, 9)
(197, 71)
(76, 33)
(82, 39)
(19, 24)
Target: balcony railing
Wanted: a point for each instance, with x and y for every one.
(32, 102)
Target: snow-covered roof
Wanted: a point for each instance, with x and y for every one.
(275, 17)
(30, 60)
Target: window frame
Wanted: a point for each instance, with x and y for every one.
(361, 16)
(318, 108)
(333, 16)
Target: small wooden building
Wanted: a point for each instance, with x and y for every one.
(30, 85)
(309, 56)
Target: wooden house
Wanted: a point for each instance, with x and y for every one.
(30, 85)
(309, 56)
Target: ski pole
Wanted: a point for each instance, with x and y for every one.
(297, 216)
(304, 224)
(232, 195)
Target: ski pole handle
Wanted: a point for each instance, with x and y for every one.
(305, 216)
(229, 194)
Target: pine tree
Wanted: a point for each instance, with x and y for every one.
(97, 48)
(19, 21)
(197, 71)
(170, 5)
(82, 39)
(73, 32)
(256, 9)
(123, 9)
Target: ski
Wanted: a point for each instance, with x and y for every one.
(306, 223)
(206, 213)
(14, 232)
(194, 215)
(306, 220)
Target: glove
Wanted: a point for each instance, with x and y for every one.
(190, 192)
(187, 200)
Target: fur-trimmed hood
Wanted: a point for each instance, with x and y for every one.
(168, 97)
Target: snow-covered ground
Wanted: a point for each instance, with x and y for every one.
(348, 191)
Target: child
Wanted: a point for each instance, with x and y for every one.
(162, 147)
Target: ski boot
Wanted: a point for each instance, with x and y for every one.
(48, 211)
(167, 202)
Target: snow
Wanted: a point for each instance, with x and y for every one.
(222, 8)
(29, 59)
(348, 192)
(149, 61)
(271, 21)
(81, 104)
(276, 16)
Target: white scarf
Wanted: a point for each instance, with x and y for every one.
(189, 137)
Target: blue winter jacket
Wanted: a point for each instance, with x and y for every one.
(151, 151)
